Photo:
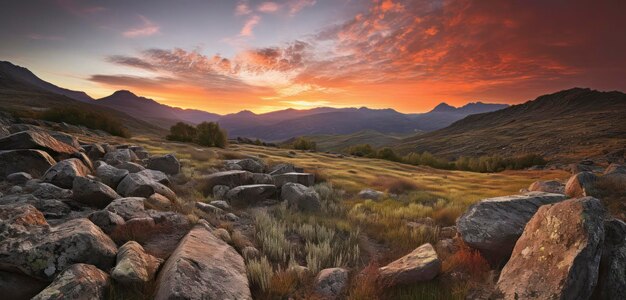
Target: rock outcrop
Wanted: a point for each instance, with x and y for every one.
(422, 264)
(33, 162)
(37, 140)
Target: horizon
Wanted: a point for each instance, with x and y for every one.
(266, 56)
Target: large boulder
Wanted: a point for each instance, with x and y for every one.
(283, 168)
(548, 186)
(38, 140)
(33, 162)
(16, 286)
(45, 252)
(79, 281)
(110, 175)
(18, 219)
(157, 176)
(51, 208)
(220, 191)
(330, 283)
(167, 164)
(128, 208)
(581, 184)
(305, 179)
(107, 220)
(134, 266)
(94, 151)
(63, 173)
(65, 138)
(612, 277)
(117, 156)
(203, 267)
(248, 164)
(370, 194)
(46, 190)
(250, 194)
(227, 178)
(19, 178)
(558, 255)
(261, 178)
(300, 197)
(140, 185)
(422, 264)
(130, 167)
(92, 193)
(493, 225)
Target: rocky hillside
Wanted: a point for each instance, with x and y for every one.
(565, 126)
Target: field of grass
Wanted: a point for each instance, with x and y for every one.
(350, 232)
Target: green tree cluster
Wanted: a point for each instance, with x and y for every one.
(206, 134)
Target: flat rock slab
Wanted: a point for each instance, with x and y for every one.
(38, 140)
(228, 178)
(422, 264)
(203, 267)
(250, 194)
(305, 179)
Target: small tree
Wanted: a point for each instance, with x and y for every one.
(210, 134)
(388, 154)
(362, 150)
(304, 144)
(182, 132)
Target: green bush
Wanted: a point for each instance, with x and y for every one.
(388, 154)
(182, 132)
(362, 150)
(210, 134)
(87, 118)
(304, 144)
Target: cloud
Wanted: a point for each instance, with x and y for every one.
(296, 6)
(268, 7)
(148, 28)
(79, 8)
(249, 26)
(36, 36)
(242, 8)
(131, 62)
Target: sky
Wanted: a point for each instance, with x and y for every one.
(225, 56)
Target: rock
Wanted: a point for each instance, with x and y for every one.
(580, 184)
(92, 193)
(208, 208)
(51, 208)
(494, 225)
(36, 140)
(18, 178)
(577, 168)
(422, 264)
(248, 164)
(203, 267)
(558, 255)
(220, 204)
(43, 254)
(140, 185)
(232, 167)
(157, 176)
(220, 191)
(128, 208)
(299, 197)
(615, 169)
(612, 272)
(110, 175)
(250, 252)
(83, 157)
(65, 138)
(15, 286)
(231, 217)
(227, 178)
(50, 191)
(79, 281)
(34, 162)
(222, 234)
(260, 178)
(18, 219)
(549, 186)
(158, 202)
(282, 169)
(15, 190)
(120, 155)
(167, 164)
(305, 179)
(447, 232)
(63, 173)
(445, 248)
(95, 152)
(131, 167)
(107, 221)
(250, 194)
(370, 194)
(134, 266)
(330, 283)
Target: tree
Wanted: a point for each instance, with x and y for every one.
(182, 132)
(210, 134)
(304, 144)
(362, 150)
(388, 154)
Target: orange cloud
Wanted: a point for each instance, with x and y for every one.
(148, 28)
(249, 25)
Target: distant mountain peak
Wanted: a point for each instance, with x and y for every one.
(444, 107)
(123, 93)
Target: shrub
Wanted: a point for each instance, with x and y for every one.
(182, 132)
(304, 144)
(87, 118)
(363, 150)
(210, 134)
(388, 154)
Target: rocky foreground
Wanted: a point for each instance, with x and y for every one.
(82, 221)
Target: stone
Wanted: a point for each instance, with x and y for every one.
(134, 266)
(230, 179)
(220, 204)
(63, 173)
(46, 190)
(203, 267)
(14, 286)
(34, 162)
(92, 193)
(167, 164)
(422, 264)
(580, 184)
(370, 194)
(17, 219)
(615, 169)
(36, 140)
(549, 186)
(65, 138)
(300, 197)
(79, 281)
(558, 255)
(45, 253)
(223, 234)
(493, 225)
(250, 194)
(220, 191)
(95, 152)
(282, 169)
(330, 283)
(128, 208)
(83, 157)
(158, 202)
(612, 271)
(119, 156)
(248, 164)
(305, 179)
(16, 189)
(110, 175)
(18, 178)
(131, 167)
(250, 252)
(107, 221)
(140, 185)
(51, 208)
(208, 208)
(231, 217)
(260, 178)
(447, 232)
(157, 176)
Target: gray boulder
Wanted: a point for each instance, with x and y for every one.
(494, 225)
(37, 140)
(131, 167)
(203, 267)
(220, 204)
(79, 281)
(107, 221)
(220, 191)
(250, 194)
(330, 283)
(261, 178)
(612, 276)
(18, 178)
(134, 266)
(581, 184)
(34, 162)
(167, 164)
(208, 208)
(549, 186)
(300, 197)
(370, 194)
(248, 164)
(51, 208)
(282, 169)
(50, 191)
(227, 178)
(63, 173)
(92, 193)
(120, 155)
(128, 208)
(94, 151)
(157, 176)
(140, 185)
(110, 175)
(422, 264)
(65, 138)
(305, 179)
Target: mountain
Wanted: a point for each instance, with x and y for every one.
(443, 114)
(12, 75)
(152, 111)
(564, 126)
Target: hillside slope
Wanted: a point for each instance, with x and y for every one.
(338, 143)
(564, 126)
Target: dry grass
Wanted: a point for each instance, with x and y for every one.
(394, 185)
(612, 191)
(365, 285)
